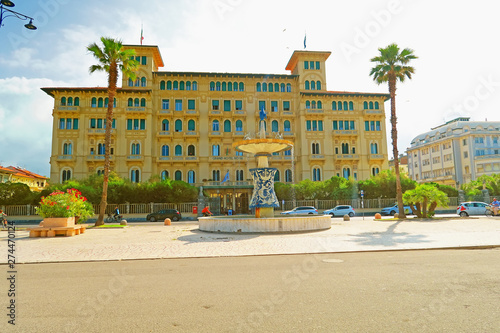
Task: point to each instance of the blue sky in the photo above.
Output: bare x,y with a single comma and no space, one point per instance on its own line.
457,73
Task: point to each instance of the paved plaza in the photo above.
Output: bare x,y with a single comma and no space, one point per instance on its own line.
185,240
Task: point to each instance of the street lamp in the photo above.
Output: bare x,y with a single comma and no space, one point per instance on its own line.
3,9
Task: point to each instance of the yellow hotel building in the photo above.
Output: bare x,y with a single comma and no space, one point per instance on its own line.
182,125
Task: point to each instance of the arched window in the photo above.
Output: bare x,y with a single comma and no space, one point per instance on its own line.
239,175
229,86
339,105
165,150
224,86
165,125
276,87
351,106
63,101
70,101
345,148
106,100
178,125
67,149
235,86
212,86
135,176
191,125
320,105
178,175
274,126
136,149
169,85
191,150
143,81
137,82
215,125
176,85
195,85
282,87
270,87
373,148
316,174
371,105
313,104
277,176
215,150
346,173
100,171
101,148
143,102
377,106
77,101
242,86
100,102
130,102
239,126
216,175
288,176
181,85
188,85
65,175
191,177
162,85
178,150
318,87
136,102
288,87
288,152
227,126
346,107
308,104
286,126
164,175
264,87
365,105
313,85
334,106
217,86
307,85
130,82
375,171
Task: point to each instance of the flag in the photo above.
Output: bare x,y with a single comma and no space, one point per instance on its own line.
305,36
226,177
142,38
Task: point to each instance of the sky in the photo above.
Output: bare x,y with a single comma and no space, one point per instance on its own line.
457,73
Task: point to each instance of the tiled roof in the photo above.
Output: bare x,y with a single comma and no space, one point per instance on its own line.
24,173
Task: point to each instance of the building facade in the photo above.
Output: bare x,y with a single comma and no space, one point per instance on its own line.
19,175
456,152
181,125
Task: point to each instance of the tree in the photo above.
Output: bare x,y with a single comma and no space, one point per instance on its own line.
391,65
424,199
111,57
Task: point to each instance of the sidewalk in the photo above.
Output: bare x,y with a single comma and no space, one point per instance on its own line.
183,240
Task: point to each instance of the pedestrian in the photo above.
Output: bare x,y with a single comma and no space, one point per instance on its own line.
3,218
496,205
206,211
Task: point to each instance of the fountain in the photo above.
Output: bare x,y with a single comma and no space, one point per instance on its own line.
263,198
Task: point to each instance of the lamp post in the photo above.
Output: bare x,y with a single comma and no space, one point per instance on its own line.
5,12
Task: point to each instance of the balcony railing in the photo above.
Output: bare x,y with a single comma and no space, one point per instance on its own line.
140,109
347,157
345,132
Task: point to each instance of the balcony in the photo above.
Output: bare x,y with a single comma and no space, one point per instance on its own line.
344,132
164,111
317,157
65,157
164,133
192,112
225,158
376,157
215,133
350,157
68,108
192,158
135,157
373,112
240,112
315,111
97,157
191,134
136,109
288,134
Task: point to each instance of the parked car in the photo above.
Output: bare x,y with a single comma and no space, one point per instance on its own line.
172,214
340,210
394,209
472,208
302,210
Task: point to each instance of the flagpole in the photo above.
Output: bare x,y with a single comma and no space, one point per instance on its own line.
141,34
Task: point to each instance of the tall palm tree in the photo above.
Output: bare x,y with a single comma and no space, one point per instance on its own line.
391,66
111,57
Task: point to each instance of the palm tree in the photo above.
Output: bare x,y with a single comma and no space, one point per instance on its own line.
391,66
111,57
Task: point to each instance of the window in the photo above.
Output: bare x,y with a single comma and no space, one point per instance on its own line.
286,105
143,102
262,105
282,87
176,85
258,87
165,104
165,125
188,85
229,86
143,81
241,87
238,105
373,148
264,87
101,149
195,85
178,125
212,86
215,125
136,102
317,65
227,105
191,104
318,87
215,104
191,150
288,87
169,85
377,106
191,177
351,106
181,85
288,175
94,102
215,150
135,149
270,87
466,154
77,101
63,101
313,85
178,150
216,175
346,173
315,148
144,60
130,82
135,176
274,126
239,175
277,176
306,64
306,85
316,174
314,125
191,125
162,85
375,171
286,126
65,175
165,150
178,105
365,105
217,86
224,86
345,148
311,64
227,126
274,106
239,126
67,149
164,174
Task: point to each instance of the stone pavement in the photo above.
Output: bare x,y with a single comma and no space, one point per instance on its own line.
184,240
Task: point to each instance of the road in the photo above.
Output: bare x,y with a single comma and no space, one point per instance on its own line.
393,291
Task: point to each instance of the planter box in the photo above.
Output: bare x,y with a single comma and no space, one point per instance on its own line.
58,222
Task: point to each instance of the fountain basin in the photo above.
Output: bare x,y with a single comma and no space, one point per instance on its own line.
262,146
265,225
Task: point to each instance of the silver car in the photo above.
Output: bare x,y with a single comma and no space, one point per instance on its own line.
472,208
303,210
340,210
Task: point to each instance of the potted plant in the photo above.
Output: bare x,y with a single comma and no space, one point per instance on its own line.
59,209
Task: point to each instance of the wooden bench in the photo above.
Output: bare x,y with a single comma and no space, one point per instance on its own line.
52,232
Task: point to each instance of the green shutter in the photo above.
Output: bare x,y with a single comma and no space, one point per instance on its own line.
129,124
191,104
317,65
286,105
306,65
143,124
227,105
367,125
75,123
308,125
320,125
335,125
239,105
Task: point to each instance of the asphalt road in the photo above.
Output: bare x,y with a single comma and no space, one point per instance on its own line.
404,291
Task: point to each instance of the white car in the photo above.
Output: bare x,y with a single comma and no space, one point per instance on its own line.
341,210
303,210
